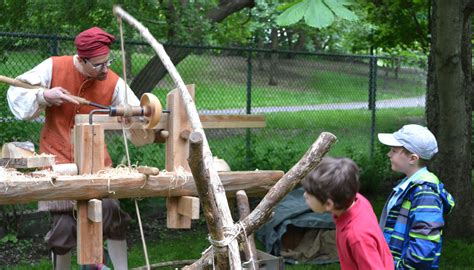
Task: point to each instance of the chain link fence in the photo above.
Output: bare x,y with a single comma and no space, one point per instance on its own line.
301,94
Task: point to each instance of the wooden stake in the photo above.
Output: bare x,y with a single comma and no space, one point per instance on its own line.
249,245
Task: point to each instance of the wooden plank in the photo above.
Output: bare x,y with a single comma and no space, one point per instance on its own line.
28,162
80,187
89,155
233,121
111,122
189,206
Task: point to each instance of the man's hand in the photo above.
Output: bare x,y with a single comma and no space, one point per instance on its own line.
57,96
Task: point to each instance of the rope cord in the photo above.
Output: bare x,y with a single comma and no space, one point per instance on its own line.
126,143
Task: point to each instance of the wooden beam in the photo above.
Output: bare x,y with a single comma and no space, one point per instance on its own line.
77,187
233,121
177,149
208,121
89,156
112,123
89,236
177,146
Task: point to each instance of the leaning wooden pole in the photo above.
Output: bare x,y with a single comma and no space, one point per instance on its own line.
249,244
215,182
285,185
263,211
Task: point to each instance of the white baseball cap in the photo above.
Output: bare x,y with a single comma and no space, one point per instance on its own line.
415,138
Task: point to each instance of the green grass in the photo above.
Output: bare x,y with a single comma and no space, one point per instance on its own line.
222,84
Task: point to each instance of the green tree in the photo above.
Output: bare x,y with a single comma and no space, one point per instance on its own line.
398,23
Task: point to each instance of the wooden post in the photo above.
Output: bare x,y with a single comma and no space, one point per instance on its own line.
177,146
249,244
89,156
177,151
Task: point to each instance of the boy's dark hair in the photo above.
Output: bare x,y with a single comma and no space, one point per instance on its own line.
336,179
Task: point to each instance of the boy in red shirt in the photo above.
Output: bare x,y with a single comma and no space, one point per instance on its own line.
333,187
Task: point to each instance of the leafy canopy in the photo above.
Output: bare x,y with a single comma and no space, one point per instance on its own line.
316,13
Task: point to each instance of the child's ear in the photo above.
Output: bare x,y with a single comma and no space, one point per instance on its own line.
329,205
414,159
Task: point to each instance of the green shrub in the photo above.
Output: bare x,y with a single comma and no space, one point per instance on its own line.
373,171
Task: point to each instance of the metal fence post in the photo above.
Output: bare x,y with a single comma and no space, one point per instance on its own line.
248,134
54,45
372,99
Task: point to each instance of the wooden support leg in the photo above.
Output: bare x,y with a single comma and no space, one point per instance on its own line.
177,151
89,232
89,157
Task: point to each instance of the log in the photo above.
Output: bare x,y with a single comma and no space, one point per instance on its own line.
263,211
61,187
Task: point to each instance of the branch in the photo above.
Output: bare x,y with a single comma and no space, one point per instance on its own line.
226,8
215,182
263,211
207,197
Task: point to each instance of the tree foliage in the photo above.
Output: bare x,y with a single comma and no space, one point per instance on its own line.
316,13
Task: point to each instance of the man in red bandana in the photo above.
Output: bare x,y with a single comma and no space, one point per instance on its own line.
86,75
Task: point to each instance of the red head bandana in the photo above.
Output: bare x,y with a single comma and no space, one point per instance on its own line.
93,42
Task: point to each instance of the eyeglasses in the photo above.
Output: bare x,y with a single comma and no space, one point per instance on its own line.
100,66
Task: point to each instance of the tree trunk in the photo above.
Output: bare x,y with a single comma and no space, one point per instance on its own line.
289,39
449,103
154,70
273,57
299,45
260,44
